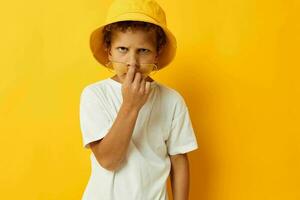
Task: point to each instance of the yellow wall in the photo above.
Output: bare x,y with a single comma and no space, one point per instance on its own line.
237,67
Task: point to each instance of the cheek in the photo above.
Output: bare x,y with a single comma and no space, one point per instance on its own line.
120,70
151,58
116,55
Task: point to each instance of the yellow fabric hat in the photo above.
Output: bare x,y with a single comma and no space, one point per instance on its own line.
135,10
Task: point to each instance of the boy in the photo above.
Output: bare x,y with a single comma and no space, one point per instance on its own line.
138,130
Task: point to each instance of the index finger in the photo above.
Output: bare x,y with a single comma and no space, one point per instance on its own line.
129,75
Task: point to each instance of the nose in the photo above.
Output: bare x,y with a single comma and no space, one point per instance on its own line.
133,61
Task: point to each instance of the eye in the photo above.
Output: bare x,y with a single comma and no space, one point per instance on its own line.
144,50
122,49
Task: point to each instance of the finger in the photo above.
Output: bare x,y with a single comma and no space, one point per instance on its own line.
137,80
130,75
144,76
147,87
142,86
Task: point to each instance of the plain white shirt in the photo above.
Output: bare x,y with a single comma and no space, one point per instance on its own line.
163,128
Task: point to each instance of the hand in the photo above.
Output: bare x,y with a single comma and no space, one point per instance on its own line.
135,89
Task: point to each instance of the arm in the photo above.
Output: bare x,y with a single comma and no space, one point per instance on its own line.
110,151
180,176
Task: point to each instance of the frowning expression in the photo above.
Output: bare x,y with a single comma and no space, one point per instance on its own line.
133,48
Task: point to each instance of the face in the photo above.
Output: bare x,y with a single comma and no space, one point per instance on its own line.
133,48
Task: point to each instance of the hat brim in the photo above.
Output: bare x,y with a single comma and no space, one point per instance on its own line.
97,46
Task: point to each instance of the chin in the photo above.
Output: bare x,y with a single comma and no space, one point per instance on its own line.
122,77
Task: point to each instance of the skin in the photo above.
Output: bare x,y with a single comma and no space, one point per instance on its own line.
180,176
134,48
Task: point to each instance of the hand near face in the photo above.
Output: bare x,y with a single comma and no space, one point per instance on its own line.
121,69
135,89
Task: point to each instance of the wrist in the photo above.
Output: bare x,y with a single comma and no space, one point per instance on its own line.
129,109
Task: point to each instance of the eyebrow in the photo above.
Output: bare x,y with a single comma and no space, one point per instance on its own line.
137,48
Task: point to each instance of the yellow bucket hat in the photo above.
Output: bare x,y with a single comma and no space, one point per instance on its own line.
134,10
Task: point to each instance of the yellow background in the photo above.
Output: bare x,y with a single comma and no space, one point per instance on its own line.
237,67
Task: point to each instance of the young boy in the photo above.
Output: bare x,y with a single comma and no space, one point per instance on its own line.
138,130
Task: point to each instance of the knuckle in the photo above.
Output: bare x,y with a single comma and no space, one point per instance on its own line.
135,87
141,91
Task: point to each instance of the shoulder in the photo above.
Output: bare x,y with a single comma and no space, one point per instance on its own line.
93,89
95,86
173,98
171,93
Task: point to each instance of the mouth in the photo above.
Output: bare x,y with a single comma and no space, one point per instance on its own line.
143,75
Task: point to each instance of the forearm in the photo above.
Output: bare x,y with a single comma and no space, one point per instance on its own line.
111,150
180,177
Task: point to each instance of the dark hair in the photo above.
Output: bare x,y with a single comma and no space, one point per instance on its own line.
133,25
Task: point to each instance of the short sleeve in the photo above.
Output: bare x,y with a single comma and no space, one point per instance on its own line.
182,137
94,122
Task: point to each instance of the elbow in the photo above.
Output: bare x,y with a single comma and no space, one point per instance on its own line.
110,165
106,160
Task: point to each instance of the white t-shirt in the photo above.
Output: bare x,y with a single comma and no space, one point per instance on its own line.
163,128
